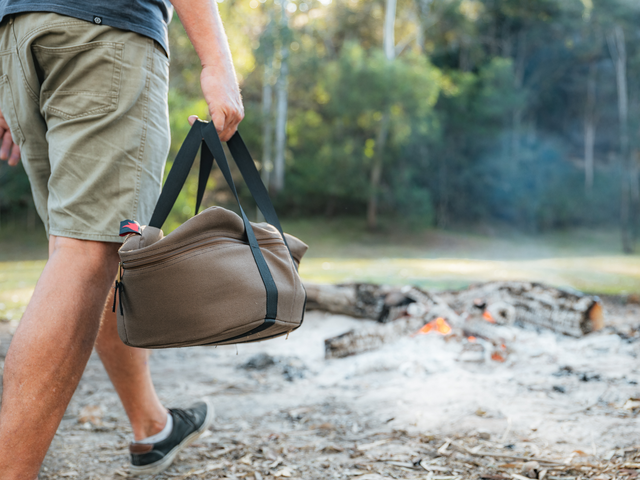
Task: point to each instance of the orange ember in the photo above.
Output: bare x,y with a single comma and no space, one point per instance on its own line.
497,357
439,325
487,316
471,338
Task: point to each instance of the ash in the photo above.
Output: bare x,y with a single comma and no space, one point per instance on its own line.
421,407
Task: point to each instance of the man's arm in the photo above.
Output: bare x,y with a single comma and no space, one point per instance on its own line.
8,150
202,22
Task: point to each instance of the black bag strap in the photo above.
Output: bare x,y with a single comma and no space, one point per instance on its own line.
178,175
206,164
247,168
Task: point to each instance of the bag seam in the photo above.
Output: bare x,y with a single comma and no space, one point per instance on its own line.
193,239
205,249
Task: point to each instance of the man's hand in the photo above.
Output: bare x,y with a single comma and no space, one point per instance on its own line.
221,92
202,23
8,150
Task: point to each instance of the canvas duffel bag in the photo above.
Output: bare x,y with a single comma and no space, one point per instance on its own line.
218,278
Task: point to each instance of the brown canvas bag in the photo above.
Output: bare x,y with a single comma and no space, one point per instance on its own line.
218,278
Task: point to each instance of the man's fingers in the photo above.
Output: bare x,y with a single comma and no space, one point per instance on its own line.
231,127
219,119
7,143
15,155
226,124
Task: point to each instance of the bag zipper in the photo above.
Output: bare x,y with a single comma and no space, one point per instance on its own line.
157,258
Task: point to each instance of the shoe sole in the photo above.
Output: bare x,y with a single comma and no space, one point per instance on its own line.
166,461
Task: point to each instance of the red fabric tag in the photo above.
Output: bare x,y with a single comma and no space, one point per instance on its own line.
128,227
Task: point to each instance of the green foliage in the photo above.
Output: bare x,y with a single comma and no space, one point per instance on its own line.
485,99
332,142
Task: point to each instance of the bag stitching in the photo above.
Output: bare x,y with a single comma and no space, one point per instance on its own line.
205,249
162,248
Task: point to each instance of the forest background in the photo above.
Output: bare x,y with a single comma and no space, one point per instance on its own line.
425,113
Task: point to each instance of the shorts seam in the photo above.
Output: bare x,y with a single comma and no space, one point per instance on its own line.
86,236
145,125
34,96
113,94
42,28
76,48
66,116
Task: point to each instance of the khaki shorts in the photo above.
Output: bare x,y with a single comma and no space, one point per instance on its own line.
88,106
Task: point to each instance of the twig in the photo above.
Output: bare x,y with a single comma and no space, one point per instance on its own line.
502,455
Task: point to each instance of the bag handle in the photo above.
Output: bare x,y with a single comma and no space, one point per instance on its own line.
178,175
250,174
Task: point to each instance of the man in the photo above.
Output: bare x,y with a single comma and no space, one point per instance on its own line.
83,101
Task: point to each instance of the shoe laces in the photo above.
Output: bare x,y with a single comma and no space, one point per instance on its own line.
184,415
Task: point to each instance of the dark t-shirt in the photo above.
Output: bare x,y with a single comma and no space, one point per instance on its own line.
146,17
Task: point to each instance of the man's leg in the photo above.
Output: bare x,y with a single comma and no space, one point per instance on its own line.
50,349
128,369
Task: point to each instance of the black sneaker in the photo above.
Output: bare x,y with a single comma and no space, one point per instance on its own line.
188,425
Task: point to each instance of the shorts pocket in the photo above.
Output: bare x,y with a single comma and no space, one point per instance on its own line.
8,108
79,80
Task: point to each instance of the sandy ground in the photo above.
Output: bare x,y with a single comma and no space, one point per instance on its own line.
422,407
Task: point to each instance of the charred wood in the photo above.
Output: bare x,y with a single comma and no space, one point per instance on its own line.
478,311
569,312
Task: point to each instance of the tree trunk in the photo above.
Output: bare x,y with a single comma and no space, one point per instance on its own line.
617,49
424,7
389,44
267,127
389,39
589,129
281,109
376,171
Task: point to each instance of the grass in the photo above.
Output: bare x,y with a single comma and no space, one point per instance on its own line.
342,250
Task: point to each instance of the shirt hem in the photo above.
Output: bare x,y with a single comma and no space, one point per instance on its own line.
161,38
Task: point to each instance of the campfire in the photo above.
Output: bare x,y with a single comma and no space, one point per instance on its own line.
482,315
439,325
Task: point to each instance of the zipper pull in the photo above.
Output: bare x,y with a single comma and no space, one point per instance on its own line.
117,288
115,293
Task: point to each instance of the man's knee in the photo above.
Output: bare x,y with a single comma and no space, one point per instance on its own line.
96,257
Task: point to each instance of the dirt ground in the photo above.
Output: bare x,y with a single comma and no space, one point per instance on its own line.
422,407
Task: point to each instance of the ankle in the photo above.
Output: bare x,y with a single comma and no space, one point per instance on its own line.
151,427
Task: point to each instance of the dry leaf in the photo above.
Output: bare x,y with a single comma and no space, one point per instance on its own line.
91,414
369,446
323,426
284,472
332,449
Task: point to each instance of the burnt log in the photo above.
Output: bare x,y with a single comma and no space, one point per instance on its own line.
370,337
361,300
528,303
478,311
569,312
